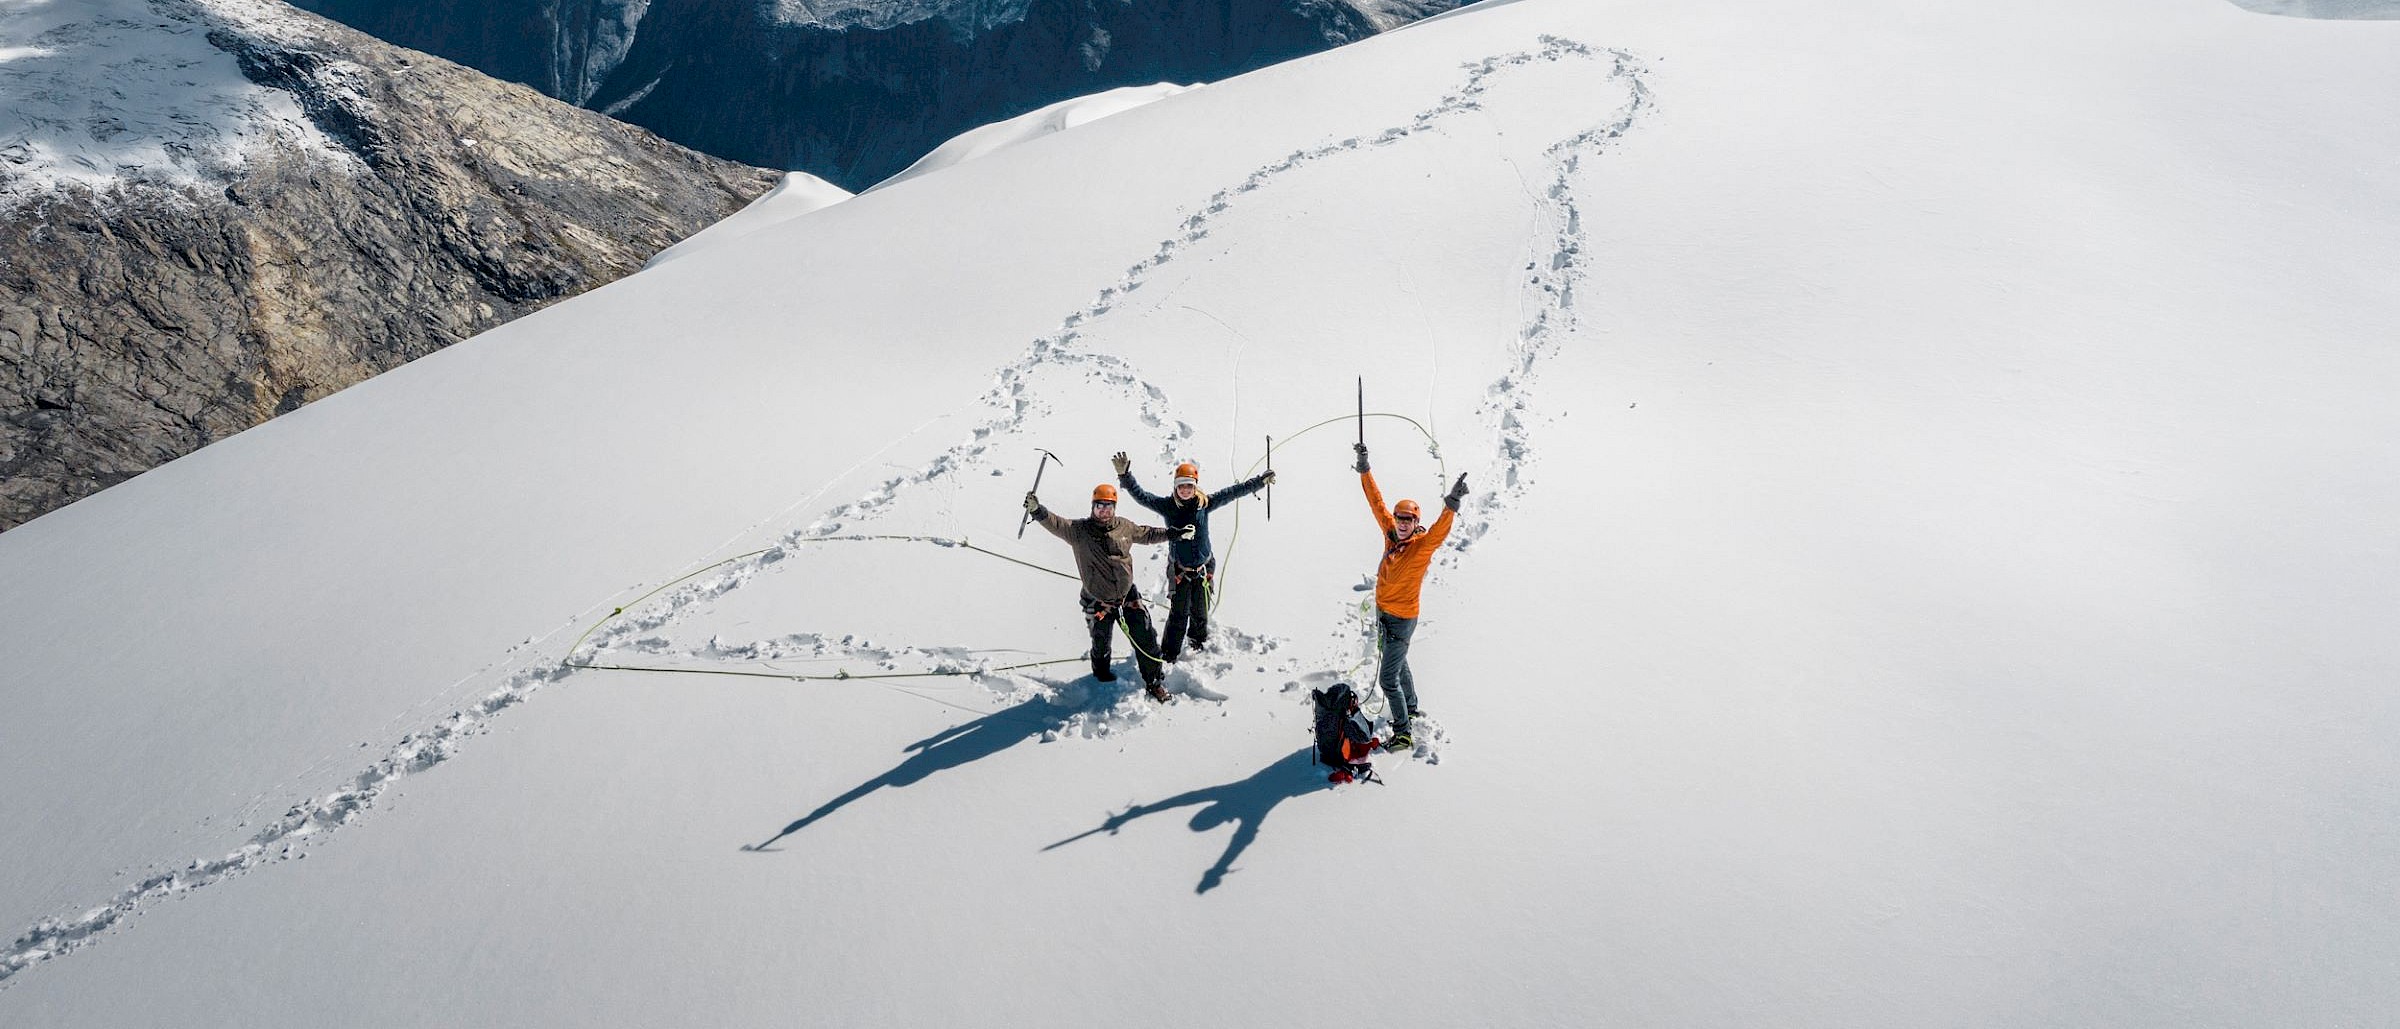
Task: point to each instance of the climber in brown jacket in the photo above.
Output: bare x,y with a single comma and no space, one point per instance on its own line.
1408,547
1103,547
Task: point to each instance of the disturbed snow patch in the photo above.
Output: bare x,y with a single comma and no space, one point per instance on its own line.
284,837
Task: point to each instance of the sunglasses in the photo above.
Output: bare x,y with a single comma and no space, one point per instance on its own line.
1104,503
1404,518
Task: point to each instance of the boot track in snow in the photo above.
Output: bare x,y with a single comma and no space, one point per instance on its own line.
1508,409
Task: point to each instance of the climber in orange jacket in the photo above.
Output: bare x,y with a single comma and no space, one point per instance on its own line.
1408,547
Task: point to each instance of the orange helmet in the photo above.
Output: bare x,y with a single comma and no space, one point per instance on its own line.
1187,472
1104,491
1405,507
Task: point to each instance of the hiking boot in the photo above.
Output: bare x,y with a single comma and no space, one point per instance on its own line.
1158,692
1104,675
1400,741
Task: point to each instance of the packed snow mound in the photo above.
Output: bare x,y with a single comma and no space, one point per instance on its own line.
986,140
98,93
799,193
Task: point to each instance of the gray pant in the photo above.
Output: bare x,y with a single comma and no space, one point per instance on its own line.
1399,686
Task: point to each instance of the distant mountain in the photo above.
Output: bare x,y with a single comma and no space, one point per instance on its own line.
219,210
854,90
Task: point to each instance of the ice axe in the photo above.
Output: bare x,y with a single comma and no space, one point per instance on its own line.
1362,410
1038,468
1270,478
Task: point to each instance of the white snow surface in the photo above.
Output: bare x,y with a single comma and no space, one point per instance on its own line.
99,94
1931,563
799,193
985,140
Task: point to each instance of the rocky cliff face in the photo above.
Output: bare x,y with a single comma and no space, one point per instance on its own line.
326,208
854,90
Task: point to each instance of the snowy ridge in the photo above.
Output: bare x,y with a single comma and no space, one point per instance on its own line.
798,194
1015,397
1032,125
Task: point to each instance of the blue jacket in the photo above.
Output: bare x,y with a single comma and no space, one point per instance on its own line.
1194,552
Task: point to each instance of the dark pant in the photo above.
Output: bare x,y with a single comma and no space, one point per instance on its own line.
1103,618
1187,609
1399,686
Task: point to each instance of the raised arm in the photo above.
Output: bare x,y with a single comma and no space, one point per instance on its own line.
1238,490
1153,534
1050,520
1450,502
1441,527
1141,496
1383,517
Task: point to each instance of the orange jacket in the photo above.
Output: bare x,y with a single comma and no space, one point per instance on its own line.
1402,572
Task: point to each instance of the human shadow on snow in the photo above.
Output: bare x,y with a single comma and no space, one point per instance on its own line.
952,747
1245,802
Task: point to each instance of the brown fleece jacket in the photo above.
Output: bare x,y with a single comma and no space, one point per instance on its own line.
1103,550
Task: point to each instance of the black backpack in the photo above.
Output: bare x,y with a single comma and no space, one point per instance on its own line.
1343,743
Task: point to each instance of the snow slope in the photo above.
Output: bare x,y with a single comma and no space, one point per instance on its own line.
1034,124
799,193
1931,564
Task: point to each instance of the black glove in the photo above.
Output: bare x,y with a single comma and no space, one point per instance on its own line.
1362,457
1033,504
1124,464
1458,492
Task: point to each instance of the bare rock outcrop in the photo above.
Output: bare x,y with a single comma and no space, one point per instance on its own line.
150,308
